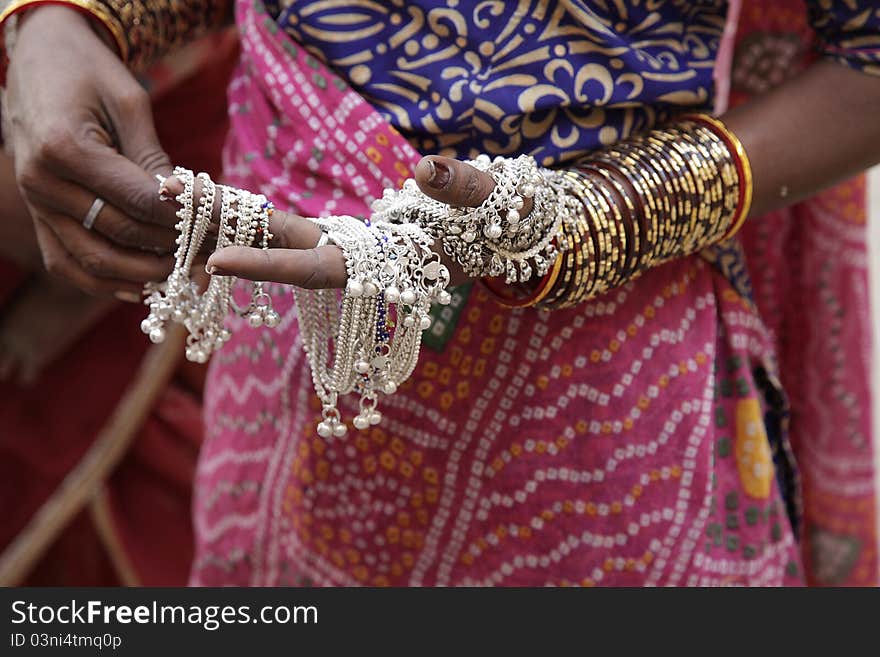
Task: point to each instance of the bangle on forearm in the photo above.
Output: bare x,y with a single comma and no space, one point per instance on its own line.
143,30
743,167
507,296
91,8
647,200
154,28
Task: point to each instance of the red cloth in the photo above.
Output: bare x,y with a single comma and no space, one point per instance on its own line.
46,429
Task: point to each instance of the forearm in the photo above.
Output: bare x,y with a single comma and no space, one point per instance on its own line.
819,128
143,31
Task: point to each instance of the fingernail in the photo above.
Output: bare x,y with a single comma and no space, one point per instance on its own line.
128,297
210,269
439,174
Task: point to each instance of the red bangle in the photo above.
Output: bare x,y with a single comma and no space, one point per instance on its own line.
503,292
742,164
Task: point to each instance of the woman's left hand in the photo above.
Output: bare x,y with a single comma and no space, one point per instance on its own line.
293,258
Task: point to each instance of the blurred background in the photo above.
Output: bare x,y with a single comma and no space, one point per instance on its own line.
874,244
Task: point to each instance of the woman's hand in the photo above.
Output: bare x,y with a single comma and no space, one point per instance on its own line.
81,129
294,260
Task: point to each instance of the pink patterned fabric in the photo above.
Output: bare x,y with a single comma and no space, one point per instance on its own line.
810,275
622,442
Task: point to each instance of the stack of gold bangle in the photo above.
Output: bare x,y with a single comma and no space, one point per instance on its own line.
646,200
143,30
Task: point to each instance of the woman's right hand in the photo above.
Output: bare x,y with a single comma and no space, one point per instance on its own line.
81,128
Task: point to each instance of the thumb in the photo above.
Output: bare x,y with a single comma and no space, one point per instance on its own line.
453,182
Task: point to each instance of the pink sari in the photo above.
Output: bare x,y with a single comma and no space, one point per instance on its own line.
809,268
623,442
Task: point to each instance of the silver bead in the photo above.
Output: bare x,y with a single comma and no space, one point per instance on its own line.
255,320
339,429
527,190
392,294
157,335
513,216
178,315
493,231
409,321
375,417
389,388
362,367
272,319
408,297
444,298
361,422
147,325
370,289
324,429
354,289
469,236
516,203
425,323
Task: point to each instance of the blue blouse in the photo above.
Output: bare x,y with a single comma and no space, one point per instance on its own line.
551,78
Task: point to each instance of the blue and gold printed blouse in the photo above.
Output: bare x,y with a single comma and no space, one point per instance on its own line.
551,78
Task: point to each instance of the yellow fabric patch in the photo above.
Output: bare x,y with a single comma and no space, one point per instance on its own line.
753,458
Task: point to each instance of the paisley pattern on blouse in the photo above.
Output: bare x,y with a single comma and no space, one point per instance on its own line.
553,79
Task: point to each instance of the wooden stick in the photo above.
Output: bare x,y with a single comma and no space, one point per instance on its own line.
87,477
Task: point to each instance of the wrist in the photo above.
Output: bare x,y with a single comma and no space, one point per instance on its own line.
92,14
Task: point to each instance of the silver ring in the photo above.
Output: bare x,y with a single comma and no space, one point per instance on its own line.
323,240
94,211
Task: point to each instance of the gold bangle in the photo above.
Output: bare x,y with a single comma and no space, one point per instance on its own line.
745,169
90,6
554,274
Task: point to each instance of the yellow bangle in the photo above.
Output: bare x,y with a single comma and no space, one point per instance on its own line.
551,281
744,169
96,9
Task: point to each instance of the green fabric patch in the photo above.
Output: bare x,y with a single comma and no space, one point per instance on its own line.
444,319
731,501
753,514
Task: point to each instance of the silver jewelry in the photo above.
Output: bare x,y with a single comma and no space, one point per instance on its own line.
374,335
367,340
492,239
244,217
92,214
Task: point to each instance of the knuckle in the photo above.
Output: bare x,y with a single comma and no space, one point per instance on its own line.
317,275
133,101
139,205
55,146
153,159
125,232
54,266
472,187
30,176
280,235
93,263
